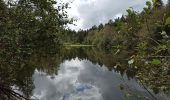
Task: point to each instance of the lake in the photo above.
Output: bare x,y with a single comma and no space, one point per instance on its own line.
81,74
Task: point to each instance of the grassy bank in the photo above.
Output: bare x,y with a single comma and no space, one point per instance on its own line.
77,45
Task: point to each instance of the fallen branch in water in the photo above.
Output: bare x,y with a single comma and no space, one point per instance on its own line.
9,92
150,93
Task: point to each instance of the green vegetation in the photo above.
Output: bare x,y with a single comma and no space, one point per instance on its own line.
77,45
142,37
32,35
29,33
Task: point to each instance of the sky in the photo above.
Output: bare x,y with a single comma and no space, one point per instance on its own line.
95,12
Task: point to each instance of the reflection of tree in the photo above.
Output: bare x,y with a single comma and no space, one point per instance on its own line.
19,69
155,77
20,73
99,56
13,76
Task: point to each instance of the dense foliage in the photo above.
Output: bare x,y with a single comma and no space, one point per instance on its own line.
31,32
143,36
27,27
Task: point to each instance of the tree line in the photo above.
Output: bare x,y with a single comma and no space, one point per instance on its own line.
143,36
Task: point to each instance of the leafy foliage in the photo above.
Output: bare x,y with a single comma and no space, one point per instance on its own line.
155,62
28,27
167,22
144,37
33,30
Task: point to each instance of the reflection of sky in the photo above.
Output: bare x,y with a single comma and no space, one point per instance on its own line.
82,80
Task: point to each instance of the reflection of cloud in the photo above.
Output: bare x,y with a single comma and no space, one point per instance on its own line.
81,79
65,85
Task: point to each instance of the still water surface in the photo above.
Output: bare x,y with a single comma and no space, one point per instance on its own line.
81,74
80,79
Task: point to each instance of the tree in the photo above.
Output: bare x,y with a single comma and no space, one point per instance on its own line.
3,16
27,27
110,22
157,3
94,27
35,23
133,21
100,27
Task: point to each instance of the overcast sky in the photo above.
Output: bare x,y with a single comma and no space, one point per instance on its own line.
94,12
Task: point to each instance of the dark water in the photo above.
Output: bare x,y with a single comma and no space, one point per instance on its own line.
80,74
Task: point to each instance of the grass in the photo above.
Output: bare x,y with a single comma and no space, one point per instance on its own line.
77,45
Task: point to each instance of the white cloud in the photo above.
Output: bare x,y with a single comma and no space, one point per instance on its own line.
94,12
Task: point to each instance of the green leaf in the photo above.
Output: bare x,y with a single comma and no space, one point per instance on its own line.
167,21
155,62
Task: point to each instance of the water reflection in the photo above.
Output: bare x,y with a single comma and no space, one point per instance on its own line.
83,80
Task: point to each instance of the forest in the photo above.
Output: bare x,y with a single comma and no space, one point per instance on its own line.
29,28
